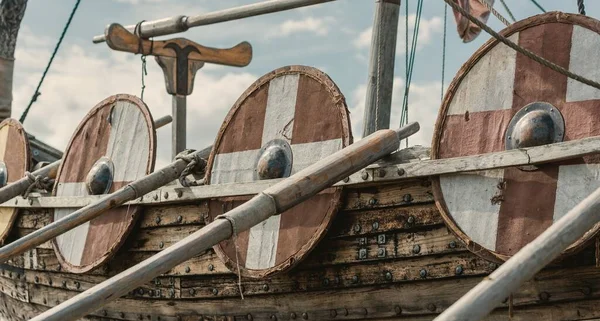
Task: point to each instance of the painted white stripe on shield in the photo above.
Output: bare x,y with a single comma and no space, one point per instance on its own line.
575,182
468,198
489,84
235,167
279,124
3,140
281,108
309,153
585,45
128,142
71,243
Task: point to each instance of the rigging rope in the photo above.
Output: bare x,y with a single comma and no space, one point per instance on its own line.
495,12
581,7
510,14
37,92
444,50
538,5
521,50
411,63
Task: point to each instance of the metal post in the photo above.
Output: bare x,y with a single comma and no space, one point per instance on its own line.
179,125
490,292
276,199
178,24
380,84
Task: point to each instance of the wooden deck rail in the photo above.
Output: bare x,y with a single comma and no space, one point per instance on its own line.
167,26
488,294
276,199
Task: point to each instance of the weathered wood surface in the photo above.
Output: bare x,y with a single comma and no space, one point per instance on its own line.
119,38
571,286
396,169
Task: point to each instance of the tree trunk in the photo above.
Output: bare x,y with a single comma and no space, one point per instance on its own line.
11,14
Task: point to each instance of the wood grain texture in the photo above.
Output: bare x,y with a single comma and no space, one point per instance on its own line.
119,38
518,217
570,286
15,153
121,128
280,105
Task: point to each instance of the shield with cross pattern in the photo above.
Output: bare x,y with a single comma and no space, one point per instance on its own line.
14,162
287,120
500,100
114,145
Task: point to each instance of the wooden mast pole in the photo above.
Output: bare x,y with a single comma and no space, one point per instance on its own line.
276,199
167,26
380,86
490,292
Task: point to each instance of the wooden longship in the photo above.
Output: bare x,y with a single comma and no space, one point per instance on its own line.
285,217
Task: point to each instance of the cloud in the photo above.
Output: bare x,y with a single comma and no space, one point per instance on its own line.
427,29
316,26
79,79
423,107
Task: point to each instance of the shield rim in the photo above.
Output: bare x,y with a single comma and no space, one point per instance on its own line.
27,152
474,247
134,210
336,199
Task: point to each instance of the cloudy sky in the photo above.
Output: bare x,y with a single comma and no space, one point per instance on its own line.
333,37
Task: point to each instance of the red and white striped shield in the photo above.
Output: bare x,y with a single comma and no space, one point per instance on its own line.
15,158
497,212
121,129
303,107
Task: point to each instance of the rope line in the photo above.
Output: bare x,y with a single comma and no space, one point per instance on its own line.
196,164
37,182
444,50
510,14
581,7
523,51
37,92
538,5
495,12
411,63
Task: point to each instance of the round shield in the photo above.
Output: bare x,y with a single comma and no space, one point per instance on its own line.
14,162
114,145
286,121
503,100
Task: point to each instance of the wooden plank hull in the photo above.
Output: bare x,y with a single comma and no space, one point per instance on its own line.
386,256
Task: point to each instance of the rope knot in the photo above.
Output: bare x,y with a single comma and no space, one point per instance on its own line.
196,165
38,182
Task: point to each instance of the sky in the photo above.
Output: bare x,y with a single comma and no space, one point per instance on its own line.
333,37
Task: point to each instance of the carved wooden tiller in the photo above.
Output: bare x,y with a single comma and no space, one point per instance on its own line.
285,121
113,145
179,59
503,100
14,162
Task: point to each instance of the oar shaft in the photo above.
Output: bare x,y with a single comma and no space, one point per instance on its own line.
87,213
492,290
177,24
276,199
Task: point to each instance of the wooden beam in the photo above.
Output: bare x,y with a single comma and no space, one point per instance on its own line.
277,199
167,26
395,168
490,293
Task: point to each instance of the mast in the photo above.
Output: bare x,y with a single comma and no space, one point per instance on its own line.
11,14
378,103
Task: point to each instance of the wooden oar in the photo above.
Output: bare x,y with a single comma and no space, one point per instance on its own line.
274,200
